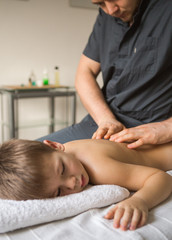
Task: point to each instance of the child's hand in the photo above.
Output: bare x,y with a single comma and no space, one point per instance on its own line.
129,214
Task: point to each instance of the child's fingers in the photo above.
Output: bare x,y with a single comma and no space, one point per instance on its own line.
135,219
127,216
139,219
110,213
143,220
126,219
117,217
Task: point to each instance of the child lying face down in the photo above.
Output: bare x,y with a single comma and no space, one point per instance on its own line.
35,170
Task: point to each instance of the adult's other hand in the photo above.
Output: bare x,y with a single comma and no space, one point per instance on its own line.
151,133
107,128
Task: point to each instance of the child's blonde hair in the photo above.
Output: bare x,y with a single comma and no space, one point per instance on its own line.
22,169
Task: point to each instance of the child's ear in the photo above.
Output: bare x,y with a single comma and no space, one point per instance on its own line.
55,145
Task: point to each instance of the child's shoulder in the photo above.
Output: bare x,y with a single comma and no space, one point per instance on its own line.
98,147
90,143
85,142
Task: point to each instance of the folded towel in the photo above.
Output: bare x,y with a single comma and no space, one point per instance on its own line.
20,214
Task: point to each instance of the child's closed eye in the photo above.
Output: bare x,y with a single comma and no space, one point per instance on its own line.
63,168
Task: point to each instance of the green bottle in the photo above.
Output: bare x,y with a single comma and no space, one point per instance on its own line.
45,77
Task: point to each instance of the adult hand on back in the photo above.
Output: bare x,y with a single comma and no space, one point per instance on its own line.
151,133
107,128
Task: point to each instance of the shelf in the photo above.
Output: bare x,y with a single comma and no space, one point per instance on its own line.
25,87
25,92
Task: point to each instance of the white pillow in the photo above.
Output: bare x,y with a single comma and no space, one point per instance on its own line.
20,214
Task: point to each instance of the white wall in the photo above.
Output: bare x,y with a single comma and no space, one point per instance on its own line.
41,33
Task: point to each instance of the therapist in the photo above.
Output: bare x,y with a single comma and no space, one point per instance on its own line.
131,44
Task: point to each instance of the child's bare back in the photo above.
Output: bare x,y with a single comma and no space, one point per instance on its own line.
158,156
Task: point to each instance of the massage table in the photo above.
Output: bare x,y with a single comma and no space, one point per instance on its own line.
79,217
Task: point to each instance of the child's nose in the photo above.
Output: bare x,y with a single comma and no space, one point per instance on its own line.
71,182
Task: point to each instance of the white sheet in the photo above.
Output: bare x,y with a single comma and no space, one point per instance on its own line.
91,225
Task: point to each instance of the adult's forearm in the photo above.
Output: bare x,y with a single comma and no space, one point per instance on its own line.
90,92
93,99
167,124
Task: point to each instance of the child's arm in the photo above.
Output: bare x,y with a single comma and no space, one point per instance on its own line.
133,212
152,185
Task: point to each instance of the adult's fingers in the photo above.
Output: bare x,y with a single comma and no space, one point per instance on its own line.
136,144
100,133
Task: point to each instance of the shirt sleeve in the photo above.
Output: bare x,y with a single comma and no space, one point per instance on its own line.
92,49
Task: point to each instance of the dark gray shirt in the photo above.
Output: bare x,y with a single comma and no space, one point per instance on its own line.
136,62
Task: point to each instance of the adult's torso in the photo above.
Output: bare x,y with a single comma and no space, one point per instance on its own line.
136,62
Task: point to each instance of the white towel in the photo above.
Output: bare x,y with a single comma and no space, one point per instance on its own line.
20,214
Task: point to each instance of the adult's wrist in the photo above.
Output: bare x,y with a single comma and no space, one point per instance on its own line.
168,128
107,119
